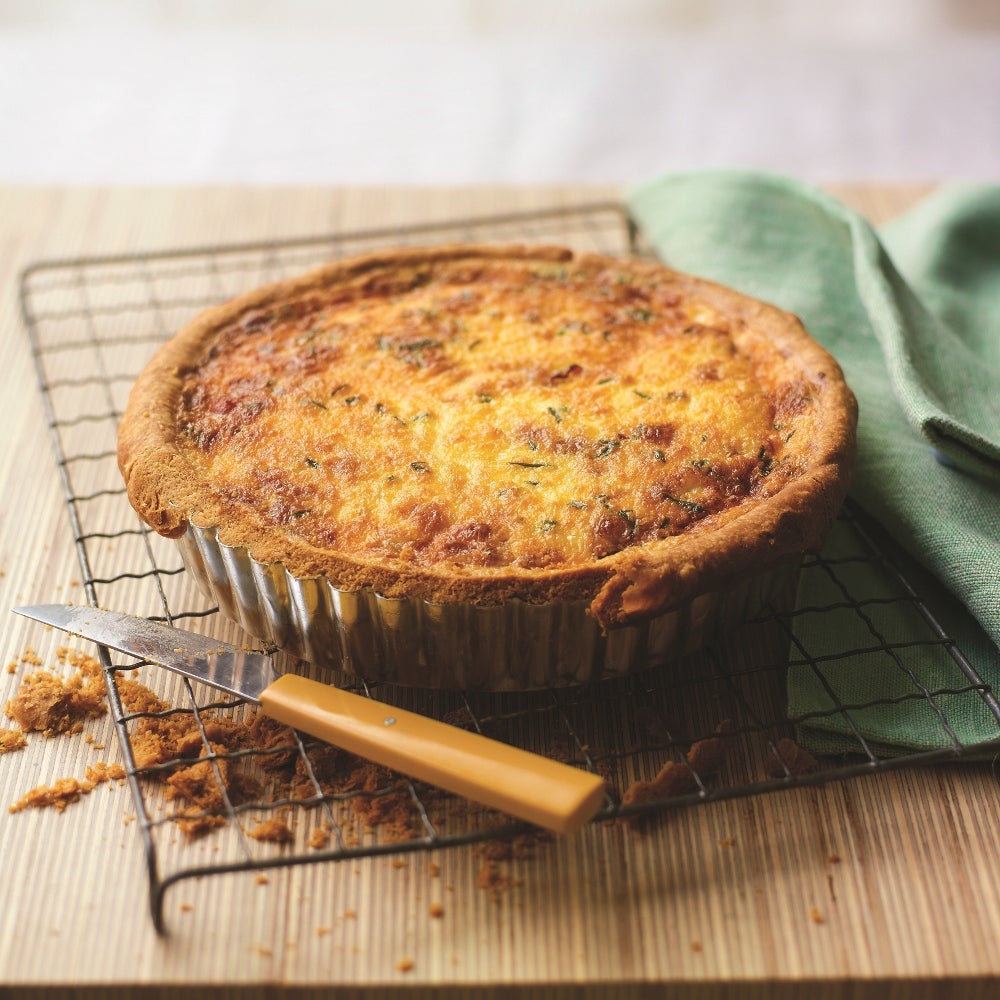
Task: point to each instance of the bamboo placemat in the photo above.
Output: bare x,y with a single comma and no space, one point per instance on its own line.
886,879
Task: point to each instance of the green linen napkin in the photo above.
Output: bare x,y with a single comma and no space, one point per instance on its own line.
913,316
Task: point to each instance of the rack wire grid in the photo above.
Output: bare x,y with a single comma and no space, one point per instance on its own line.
94,322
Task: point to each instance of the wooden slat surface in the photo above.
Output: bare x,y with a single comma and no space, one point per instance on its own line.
885,885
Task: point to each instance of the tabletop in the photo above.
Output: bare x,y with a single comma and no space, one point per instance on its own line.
885,884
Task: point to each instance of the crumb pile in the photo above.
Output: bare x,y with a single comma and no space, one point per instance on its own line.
68,790
207,763
51,703
204,763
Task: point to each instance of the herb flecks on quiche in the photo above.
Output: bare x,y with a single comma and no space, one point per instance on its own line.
477,423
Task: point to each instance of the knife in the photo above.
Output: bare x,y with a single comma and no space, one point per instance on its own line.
550,794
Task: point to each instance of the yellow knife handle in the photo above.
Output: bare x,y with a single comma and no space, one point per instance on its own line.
556,796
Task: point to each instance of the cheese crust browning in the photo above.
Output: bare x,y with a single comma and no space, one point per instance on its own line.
479,423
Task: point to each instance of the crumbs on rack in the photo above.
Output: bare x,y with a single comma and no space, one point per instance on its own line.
704,759
788,759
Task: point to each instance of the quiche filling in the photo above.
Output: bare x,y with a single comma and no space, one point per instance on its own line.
494,413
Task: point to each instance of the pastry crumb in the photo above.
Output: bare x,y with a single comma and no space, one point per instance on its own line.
320,837
102,771
492,879
436,910
405,965
49,703
704,759
789,759
521,846
30,657
194,826
273,831
11,740
65,791
816,915
58,795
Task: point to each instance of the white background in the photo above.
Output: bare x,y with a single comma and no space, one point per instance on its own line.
467,91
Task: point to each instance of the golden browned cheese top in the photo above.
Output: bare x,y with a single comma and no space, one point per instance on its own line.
496,414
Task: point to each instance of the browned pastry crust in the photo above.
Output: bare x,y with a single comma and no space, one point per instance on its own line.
480,423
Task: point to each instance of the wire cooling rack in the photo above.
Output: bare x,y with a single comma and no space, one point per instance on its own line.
772,706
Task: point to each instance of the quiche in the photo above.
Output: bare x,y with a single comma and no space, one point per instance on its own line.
479,426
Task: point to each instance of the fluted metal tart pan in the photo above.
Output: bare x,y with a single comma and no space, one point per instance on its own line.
511,646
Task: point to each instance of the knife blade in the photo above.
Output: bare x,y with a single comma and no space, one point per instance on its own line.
550,794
